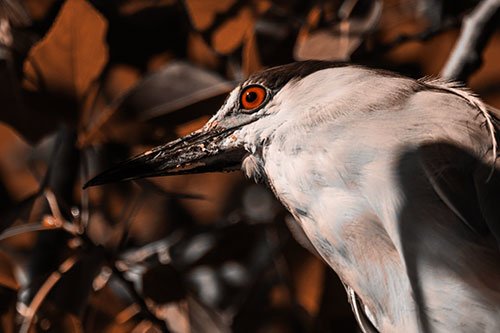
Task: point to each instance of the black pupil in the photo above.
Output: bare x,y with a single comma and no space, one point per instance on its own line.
250,96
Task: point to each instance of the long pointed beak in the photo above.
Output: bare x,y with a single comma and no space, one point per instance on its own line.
202,151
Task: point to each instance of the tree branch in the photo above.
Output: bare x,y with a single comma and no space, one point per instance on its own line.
477,28
140,301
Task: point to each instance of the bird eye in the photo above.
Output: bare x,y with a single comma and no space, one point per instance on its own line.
252,97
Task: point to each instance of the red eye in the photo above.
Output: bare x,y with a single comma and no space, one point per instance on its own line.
252,97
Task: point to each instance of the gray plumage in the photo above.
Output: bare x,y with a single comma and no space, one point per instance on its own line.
393,181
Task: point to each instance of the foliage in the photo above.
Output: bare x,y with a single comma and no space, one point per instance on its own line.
87,83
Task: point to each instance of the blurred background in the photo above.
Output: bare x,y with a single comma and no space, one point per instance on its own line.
87,83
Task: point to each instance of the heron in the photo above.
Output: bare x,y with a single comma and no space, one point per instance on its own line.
393,180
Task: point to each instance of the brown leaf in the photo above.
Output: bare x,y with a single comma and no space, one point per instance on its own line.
107,312
72,54
8,311
308,283
251,59
54,319
232,33
163,284
38,9
229,23
203,12
132,7
16,175
339,41
7,277
200,53
154,97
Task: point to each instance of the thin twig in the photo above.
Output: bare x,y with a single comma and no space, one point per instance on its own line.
127,223
44,291
140,301
13,231
477,29
60,221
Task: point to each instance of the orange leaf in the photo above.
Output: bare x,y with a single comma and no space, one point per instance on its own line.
251,57
237,22
7,276
72,54
202,12
231,33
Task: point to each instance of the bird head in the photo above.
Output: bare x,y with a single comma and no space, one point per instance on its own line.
234,136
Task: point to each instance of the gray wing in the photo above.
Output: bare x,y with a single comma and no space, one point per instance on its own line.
462,182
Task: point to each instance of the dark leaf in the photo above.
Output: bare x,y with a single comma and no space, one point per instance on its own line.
137,34
275,32
178,86
151,110
163,284
45,288
59,70
72,54
8,311
72,292
205,319
7,276
340,40
17,210
107,311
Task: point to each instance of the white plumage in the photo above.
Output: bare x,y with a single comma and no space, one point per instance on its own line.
393,180
337,144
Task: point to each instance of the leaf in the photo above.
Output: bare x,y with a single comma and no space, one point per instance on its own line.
8,311
40,9
62,165
177,87
108,311
225,25
339,41
232,33
163,284
200,53
72,54
132,7
73,290
67,322
44,290
205,319
275,33
250,58
58,71
16,175
7,276
203,12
